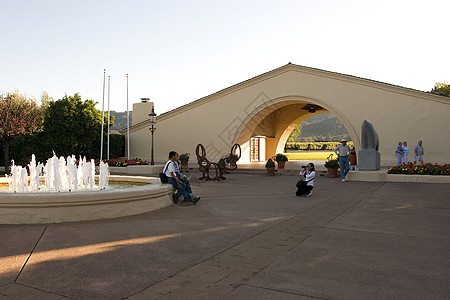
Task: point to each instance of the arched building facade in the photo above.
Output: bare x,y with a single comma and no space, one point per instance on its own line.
260,113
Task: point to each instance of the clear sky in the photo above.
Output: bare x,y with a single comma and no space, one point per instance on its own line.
176,52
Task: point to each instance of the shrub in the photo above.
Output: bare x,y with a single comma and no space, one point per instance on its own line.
23,147
124,162
315,145
332,164
281,157
184,156
270,163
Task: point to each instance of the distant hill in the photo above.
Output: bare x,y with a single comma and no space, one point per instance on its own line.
323,127
120,120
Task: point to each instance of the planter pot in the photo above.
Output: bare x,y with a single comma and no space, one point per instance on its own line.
352,158
184,165
281,164
270,171
332,172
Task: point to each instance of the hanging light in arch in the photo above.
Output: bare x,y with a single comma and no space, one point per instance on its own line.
312,108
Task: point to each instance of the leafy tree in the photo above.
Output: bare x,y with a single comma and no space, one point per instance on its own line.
19,116
117,146
72,126
24,146
442,89
45,100
295,134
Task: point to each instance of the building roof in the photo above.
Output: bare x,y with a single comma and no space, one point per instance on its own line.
313,71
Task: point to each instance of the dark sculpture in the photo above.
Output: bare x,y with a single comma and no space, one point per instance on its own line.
227,162
369,137
369,157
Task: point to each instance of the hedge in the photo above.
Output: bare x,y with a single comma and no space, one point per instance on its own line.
315,145
23,147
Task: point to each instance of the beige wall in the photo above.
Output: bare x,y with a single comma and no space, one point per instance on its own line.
141,111
271,104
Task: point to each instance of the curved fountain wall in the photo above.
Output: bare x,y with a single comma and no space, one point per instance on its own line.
41,208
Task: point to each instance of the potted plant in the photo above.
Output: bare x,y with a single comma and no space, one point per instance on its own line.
270,167
281,159
184,158
332,165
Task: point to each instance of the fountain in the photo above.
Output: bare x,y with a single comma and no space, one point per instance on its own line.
59,175
63,191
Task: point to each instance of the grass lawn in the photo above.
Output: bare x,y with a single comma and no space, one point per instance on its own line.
310,155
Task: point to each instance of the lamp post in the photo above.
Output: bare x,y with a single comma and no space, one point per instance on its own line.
152,116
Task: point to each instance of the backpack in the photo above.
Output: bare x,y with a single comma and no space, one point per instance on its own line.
163,176
302,183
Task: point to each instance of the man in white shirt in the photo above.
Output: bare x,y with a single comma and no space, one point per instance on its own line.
418,152
343,151
178,180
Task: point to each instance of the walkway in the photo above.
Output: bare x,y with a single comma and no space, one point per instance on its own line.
248,238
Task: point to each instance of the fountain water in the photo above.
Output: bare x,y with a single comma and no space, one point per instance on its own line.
59,175
33,196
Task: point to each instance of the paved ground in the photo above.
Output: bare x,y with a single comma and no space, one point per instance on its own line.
248,238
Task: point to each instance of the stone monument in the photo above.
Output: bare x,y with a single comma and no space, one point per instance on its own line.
368,157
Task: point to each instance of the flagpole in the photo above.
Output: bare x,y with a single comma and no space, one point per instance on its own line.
109,117
128,126
103,115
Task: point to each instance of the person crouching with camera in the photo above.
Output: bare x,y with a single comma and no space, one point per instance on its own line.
306,184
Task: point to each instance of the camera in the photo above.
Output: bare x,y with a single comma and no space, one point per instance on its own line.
303,167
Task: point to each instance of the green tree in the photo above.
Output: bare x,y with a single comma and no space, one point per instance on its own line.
72,126
442,89
295,134
19,116
45,100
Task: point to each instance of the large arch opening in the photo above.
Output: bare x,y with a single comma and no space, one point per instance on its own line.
266,129
315,138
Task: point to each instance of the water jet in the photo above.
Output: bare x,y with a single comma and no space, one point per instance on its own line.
59,202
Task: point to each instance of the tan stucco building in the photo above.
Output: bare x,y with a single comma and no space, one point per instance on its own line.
261,112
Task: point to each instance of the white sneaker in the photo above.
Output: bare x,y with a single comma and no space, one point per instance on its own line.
343,180
309,195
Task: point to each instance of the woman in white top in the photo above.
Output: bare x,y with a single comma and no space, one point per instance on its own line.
305,186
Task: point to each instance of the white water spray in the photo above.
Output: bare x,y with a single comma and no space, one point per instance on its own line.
58,175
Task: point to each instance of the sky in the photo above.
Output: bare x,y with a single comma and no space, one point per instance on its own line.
176,52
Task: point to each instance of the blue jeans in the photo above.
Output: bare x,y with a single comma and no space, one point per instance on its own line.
182,189
344,165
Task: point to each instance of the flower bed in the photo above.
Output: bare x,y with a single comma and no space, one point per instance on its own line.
426,169
124,162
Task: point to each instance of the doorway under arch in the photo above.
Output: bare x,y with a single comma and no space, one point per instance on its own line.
273,121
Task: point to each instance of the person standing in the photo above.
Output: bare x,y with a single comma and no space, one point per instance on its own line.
405,152
418,152
178,180
343,151
305,186
399,153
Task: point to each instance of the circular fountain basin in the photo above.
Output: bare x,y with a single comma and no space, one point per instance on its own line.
46,207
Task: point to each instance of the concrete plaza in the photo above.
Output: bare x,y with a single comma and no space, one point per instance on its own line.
249,237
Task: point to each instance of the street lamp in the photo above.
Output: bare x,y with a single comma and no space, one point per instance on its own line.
152,116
